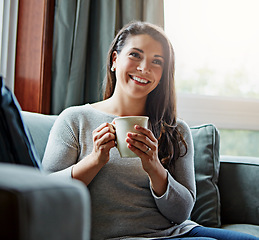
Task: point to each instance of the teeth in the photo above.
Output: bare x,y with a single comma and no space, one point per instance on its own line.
139,79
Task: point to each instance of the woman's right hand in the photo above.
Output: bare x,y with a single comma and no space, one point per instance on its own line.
103,141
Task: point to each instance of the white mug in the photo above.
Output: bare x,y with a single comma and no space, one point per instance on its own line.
123,125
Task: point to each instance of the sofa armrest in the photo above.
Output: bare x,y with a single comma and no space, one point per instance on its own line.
239,190
36,206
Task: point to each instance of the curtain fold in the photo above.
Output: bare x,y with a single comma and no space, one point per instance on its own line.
83,31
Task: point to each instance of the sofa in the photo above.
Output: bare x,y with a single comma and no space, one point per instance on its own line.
35,205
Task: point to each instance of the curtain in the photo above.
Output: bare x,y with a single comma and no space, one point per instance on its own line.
83,31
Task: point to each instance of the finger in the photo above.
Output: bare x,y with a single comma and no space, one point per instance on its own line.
105,149
106,138
141,141
145,131
137,151
103,125
112,125
108,145
139,145
99,132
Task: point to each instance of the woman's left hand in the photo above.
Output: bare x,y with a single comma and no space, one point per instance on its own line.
145,145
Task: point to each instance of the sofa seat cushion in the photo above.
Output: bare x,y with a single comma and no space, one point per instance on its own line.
245,228
206,162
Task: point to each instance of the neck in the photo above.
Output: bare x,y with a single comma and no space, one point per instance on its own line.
122,106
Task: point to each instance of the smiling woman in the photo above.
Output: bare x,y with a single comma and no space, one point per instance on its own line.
151,195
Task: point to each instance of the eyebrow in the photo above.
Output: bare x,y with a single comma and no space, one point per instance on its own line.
140,50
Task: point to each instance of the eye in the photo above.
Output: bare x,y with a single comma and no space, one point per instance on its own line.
135,54
158,62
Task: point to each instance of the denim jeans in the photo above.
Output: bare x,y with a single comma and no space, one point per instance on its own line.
205,233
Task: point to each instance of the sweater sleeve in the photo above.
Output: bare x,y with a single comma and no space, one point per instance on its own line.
177,202
62,148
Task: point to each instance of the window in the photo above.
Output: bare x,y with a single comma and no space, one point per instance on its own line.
8,27
1,32
217,52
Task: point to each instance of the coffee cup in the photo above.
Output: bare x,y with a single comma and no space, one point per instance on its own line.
123,125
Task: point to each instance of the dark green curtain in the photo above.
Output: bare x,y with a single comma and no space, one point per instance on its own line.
83,31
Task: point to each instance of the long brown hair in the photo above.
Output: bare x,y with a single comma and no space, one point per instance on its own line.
161,102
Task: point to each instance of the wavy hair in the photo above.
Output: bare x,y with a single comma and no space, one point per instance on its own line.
161,102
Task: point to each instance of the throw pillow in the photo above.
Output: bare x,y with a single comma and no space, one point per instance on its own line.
16,144
206,162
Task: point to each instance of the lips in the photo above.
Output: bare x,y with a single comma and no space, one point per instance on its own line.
139,80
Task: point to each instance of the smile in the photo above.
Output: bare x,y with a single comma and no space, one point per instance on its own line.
139,80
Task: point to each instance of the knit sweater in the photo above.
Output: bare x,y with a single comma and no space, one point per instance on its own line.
124,205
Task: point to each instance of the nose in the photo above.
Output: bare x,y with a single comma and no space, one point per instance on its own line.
143,67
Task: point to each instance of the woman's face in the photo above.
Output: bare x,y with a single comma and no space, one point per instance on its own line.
139,66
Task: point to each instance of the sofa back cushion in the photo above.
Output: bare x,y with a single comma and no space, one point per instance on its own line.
39,126
206,162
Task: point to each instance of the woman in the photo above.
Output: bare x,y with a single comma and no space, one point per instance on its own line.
149,196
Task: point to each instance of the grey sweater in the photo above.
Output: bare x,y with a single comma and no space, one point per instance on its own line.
123,203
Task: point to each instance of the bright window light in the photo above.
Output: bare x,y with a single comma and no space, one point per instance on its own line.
216,46
217,77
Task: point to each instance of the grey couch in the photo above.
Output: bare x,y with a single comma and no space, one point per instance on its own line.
36,206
